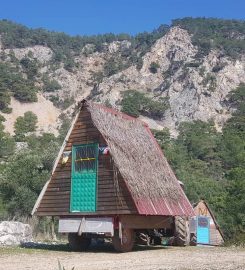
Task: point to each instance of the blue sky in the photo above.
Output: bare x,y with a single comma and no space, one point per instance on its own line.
117,16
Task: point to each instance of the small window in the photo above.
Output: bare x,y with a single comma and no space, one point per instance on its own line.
203,222
85,158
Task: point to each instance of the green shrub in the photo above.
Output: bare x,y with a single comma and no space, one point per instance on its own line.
139,63
193,64
218,67
2,118
23,180
62,103
135,103
25,92
12,83
55,100
69,64
97,77
3,210
50,85
7,144
154,67
25,124
7,110
29,66
113,66
4,99
27,170
131,103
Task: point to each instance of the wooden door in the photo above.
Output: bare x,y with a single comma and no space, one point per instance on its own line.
84,178
203,230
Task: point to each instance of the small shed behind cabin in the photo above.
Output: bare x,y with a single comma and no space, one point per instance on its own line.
205,226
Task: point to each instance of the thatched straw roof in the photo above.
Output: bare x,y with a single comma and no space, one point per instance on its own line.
136,154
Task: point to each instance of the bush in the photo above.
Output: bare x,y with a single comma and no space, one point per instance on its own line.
30,67
154,67
7,110
62,103
25,124
112,66
131,103
97,77
193,64
23,180
27,171
218,67
12,83
50,85
7,144
25,92
135,103
2,118
69,64
4,99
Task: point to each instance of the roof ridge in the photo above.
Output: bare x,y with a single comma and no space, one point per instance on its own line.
115,112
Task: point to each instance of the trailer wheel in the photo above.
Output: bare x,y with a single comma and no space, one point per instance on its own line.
182,237
126,243
78,243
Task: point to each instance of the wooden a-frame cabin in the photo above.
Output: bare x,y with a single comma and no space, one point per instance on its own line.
110,179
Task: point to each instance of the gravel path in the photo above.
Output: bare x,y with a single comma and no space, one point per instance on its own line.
142,258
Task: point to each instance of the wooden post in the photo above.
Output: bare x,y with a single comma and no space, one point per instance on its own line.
53,234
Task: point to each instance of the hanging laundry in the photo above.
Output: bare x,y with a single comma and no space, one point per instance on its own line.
104,150
65,157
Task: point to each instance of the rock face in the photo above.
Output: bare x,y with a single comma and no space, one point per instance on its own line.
42,53
196,91
14,233
46,112
196,86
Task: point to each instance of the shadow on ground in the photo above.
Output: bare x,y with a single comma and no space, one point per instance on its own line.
94,247
46,246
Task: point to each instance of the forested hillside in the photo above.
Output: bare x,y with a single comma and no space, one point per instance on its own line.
186,80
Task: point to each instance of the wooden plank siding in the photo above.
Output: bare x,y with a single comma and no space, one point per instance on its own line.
112,194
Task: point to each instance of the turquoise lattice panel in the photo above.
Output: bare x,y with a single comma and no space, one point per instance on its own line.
84,181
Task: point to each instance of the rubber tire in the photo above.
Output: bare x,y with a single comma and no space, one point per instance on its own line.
181,232
78,243
127,243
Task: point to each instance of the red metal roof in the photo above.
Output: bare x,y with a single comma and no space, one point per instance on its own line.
164,207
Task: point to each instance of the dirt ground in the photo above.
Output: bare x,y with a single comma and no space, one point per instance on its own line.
103,257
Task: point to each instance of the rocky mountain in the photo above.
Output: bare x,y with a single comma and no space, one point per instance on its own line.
189,66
